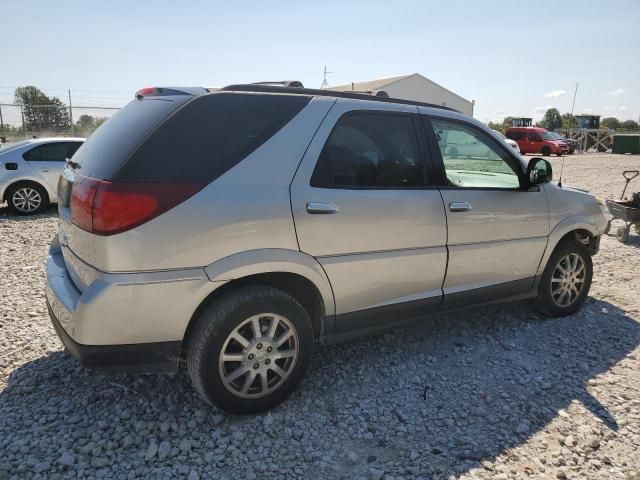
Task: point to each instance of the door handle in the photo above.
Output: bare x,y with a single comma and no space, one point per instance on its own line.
44,169
322,208
459,206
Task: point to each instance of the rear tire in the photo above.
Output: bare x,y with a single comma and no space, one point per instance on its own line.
637,228
566,279
546,151
27,198
239,370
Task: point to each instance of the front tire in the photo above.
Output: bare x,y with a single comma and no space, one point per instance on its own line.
27,199
566,279
546,151
250,349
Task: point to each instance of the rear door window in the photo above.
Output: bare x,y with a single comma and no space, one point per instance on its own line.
370,150
210,135
51,152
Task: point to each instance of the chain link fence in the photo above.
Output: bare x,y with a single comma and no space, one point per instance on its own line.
18,122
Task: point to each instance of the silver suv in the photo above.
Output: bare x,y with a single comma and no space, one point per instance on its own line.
231,230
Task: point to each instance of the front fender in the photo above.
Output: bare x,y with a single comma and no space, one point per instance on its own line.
569,224
274,260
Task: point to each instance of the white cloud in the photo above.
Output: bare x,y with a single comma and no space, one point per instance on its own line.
542,109
587,110
609,107
622,109
555,94
617,91
499,112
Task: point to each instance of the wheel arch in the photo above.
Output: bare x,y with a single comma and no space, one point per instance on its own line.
293,272
25,182
572,228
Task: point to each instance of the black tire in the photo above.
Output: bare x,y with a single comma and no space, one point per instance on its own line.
216,323
15,194
545,298
453,152
546,151
622,234
637,228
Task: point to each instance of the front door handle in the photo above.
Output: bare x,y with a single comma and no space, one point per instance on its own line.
322,208
44,169
459,206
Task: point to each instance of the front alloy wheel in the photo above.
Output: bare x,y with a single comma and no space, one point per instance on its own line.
567,280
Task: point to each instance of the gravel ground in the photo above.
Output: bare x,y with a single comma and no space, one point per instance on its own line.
496,392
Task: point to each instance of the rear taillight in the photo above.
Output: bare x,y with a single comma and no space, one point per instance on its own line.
106,208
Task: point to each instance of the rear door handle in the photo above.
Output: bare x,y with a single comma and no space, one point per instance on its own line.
459,206
322,208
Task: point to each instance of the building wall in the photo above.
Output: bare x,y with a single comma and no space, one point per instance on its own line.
420,89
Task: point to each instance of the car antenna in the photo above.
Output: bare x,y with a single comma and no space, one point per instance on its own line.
570,123
561,170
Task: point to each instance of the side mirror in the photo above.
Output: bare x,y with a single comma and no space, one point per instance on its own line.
539,171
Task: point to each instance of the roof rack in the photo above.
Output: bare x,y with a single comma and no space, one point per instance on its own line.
270,88
283,83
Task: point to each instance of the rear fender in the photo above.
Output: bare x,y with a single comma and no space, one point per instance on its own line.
274,260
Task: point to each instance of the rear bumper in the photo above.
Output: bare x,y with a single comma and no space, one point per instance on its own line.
161,357
131,322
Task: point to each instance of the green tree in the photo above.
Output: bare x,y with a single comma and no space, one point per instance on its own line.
568,120
86,122
610,122
551,120
42,113
630,126
495,126
506,123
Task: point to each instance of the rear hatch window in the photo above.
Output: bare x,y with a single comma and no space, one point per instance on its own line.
208,136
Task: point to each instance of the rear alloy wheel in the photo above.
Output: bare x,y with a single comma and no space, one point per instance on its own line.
546,151
250,349
27,199
566,280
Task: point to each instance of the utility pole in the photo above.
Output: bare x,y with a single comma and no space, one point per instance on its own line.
325,84
573,104
71,113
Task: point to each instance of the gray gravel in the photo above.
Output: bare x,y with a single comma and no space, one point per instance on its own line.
496,392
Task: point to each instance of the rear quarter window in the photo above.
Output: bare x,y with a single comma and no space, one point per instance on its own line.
111,144
209,135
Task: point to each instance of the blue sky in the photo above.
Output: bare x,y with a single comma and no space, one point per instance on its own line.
513,58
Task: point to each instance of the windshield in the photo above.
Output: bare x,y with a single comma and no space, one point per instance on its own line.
548,136
10,146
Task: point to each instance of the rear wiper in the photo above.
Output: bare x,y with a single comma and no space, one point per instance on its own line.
73,165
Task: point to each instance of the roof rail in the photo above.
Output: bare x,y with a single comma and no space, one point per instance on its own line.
270,88
283,83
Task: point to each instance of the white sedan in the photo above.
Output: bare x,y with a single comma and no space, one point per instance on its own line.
508,141
29,172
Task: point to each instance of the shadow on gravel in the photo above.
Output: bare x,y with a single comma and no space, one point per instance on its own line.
434,399
6,215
